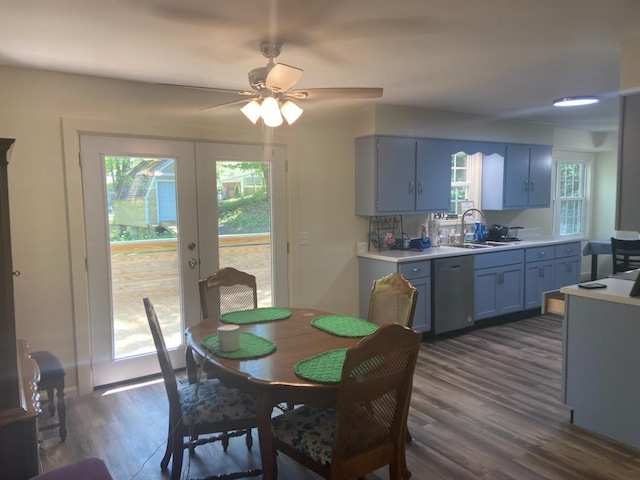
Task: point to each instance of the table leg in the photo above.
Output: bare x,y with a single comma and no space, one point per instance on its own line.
594,267
264,407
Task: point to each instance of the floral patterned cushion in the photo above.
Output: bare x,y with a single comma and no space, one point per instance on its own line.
212,402
309,430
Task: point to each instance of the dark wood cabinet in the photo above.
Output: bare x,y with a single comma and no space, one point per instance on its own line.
19,405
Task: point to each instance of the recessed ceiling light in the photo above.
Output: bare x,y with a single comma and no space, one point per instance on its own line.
575,101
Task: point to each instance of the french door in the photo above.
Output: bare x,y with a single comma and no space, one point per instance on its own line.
152,229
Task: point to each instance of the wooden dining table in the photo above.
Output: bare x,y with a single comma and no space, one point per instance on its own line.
270,379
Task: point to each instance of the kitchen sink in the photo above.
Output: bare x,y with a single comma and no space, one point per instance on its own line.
471,245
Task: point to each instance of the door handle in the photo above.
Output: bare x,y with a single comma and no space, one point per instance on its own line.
193,263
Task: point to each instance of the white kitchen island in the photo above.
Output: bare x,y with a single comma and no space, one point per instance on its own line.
601,359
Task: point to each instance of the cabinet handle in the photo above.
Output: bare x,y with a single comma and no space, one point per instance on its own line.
541,254
541,273
415,270
419,188
16,273
411,188
533,186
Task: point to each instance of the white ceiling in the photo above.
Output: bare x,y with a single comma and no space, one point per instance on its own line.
506,58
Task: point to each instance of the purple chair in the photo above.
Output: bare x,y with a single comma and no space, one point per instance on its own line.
86,469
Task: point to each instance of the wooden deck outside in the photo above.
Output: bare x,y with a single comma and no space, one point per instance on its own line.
150,268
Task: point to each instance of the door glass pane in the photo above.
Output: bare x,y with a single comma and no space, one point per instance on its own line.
143,228
244,221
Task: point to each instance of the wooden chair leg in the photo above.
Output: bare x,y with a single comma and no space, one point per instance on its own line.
62,413
164,463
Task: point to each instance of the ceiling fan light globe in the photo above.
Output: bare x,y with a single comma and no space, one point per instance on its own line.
290,111
252,110
270,112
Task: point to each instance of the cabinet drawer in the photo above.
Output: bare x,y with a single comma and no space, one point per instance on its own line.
568,249
540,253
498,259
416,269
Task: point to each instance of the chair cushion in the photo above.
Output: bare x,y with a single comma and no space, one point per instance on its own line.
210,401
308,429
49,365
86,469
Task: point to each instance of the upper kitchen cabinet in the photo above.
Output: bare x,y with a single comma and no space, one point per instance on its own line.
520,179
408,175
401,175
627,211
385,175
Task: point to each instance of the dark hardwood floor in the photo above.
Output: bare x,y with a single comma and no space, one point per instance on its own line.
485,405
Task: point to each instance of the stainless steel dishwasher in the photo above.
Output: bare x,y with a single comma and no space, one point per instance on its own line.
452,293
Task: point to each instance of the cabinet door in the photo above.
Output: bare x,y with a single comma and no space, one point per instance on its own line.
396,174
540,177
485,303
567,271
516,179
627,211
433,175
422,316
510,289
539,278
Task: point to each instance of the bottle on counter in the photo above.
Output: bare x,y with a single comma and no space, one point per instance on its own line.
476,232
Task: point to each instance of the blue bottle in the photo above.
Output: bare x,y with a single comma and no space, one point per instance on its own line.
476,232
483,232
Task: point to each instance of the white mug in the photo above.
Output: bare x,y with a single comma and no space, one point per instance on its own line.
229,337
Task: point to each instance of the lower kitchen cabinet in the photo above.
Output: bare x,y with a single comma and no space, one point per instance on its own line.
567,264
498,284
418,273
539,274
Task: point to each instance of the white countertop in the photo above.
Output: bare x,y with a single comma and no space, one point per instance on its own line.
401,256
617,291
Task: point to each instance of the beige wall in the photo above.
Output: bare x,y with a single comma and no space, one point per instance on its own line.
45,111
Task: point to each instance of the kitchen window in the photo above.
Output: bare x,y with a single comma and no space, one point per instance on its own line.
465,181
571,193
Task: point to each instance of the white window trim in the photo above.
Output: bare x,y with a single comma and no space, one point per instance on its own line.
587,159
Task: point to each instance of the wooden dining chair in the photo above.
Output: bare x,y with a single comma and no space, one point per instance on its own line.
366,430
625,254
393,300
227,290
206,410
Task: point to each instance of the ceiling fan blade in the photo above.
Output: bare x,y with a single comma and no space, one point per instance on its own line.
282,77
226,104
210,89
345,93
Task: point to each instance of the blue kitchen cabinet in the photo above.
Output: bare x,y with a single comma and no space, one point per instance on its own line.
402,175
539,274
498,283
433,175
418,273
520,179
567,264
385,175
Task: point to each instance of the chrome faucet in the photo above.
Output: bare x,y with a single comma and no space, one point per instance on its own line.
463,227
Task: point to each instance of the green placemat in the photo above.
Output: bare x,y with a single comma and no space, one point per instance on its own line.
326,367
344,326
251,346
256,315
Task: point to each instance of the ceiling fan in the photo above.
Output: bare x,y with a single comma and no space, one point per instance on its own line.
272,97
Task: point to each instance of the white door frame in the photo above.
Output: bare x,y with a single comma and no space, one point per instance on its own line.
72,128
